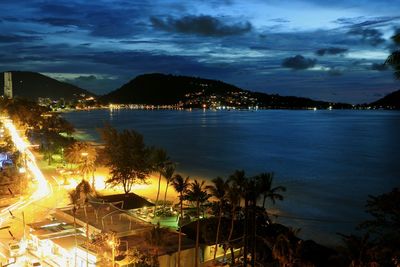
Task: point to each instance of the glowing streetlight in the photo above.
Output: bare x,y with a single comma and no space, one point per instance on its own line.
113,244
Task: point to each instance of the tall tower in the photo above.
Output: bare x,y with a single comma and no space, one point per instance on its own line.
8,92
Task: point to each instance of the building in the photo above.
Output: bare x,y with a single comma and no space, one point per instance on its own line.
103,232
58,243
8,90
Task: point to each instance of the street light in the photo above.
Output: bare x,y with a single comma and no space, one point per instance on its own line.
113,243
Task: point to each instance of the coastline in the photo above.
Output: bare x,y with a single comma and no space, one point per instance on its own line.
211,144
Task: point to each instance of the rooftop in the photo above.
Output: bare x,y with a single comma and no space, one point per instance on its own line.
68,242
127,201
105,217
167,241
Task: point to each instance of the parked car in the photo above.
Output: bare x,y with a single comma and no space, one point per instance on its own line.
35,263
15,249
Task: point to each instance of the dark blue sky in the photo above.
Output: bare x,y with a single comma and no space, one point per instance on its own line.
330,50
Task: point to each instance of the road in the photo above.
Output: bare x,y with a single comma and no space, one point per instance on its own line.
45,196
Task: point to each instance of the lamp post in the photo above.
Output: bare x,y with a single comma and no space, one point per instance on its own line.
113,244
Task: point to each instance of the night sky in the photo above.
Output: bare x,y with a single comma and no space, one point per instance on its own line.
330,50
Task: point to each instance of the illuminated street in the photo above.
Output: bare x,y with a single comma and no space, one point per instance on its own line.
46,196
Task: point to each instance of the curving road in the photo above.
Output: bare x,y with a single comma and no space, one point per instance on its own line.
35,206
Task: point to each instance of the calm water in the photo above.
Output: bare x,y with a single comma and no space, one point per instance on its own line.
330,161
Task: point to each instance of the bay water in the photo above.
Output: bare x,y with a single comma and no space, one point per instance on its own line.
329,160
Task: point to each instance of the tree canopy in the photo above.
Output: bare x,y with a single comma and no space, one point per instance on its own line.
127,156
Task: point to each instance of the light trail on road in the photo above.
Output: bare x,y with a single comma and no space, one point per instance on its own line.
43,187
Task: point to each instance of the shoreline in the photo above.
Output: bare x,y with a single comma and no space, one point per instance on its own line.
295,204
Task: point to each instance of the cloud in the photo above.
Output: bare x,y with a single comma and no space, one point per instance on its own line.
200,25
362,21
370,36
280,20
378,67
298,62
60,21
331,51
18,38
97,83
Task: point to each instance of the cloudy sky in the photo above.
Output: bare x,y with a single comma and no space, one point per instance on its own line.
324,49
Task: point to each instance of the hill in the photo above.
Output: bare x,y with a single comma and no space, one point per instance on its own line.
32,85
390,101
185,91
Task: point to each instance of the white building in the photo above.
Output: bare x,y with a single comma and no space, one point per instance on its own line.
8,90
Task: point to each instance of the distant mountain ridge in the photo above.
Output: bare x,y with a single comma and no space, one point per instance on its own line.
32,85
162,89
391,101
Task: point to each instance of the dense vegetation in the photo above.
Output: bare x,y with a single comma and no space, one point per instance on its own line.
236,205
391,100
161,89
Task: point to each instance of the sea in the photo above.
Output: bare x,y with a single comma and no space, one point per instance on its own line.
330,161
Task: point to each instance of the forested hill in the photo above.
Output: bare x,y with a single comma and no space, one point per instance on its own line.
391,101
161,89
32,85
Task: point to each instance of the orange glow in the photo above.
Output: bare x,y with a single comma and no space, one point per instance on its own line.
43,188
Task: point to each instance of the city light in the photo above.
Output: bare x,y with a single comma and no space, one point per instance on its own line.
43,187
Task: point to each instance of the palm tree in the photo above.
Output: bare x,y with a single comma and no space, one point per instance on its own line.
264,183
83,190
74,198
218,190
88,163
85,155
239,179
168,174
160,159
359,250
73,153
197,194
180,185
284,248
233,197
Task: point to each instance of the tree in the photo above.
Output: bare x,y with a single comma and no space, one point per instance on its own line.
218,191
127,157
239,180
84,155
52,143
74,198
233,198
88,163
159,161
84,190
168,174
252,193
181,186
393,59
284,248
197,193
73,153
385,224
359,250
264,183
